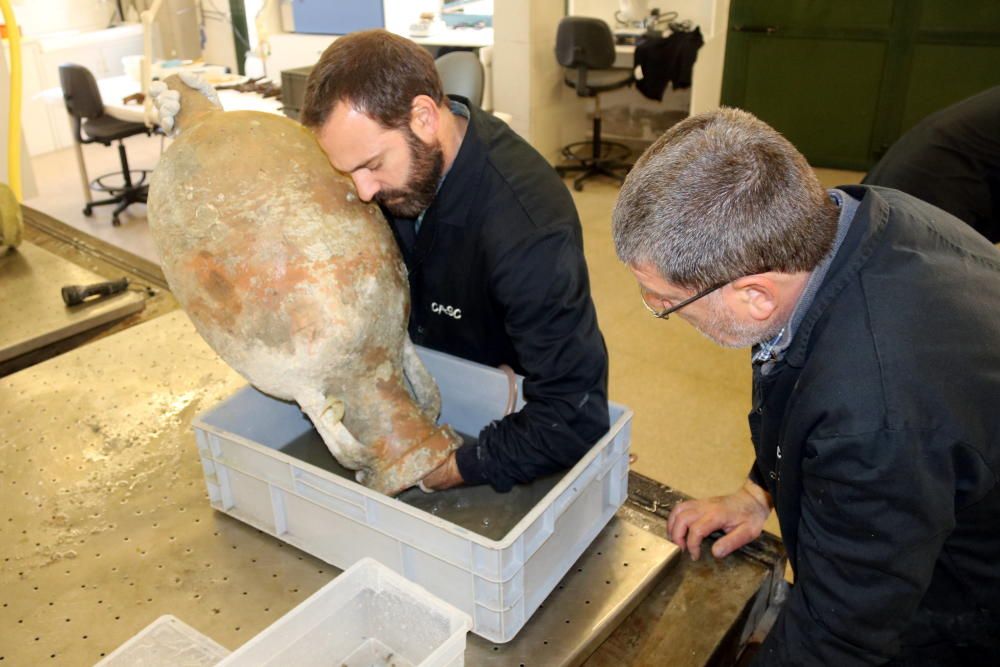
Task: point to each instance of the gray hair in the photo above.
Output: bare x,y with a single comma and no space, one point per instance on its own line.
719,196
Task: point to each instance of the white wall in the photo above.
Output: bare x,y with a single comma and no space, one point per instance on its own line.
267,21
712,16
527,80
706,82
36,17
220,45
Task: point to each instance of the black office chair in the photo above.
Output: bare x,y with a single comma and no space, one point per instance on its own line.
461,74
586,46
92,125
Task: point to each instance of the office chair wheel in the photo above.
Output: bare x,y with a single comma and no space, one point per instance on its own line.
115,222
88,210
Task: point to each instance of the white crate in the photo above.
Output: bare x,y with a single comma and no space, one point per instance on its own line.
369,615
499,583
166,642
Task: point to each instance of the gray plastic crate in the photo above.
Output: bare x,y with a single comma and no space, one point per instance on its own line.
498,582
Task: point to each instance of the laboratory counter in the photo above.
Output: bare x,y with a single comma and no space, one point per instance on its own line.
106,523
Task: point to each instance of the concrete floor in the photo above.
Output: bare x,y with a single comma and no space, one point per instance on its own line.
61,195
690,397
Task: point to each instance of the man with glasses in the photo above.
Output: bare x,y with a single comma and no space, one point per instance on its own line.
875,325
660,307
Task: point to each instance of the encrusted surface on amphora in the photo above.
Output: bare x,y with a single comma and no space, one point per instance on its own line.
298,285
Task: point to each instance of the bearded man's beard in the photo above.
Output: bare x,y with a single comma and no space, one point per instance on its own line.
426,166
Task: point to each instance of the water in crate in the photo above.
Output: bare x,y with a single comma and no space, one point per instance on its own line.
479,509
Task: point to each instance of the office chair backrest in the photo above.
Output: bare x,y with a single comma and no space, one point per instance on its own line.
461,74
584,42
80,92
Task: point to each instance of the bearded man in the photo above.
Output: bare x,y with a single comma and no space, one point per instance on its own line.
874,320
491,241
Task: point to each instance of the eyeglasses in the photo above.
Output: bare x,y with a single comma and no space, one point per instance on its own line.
666,312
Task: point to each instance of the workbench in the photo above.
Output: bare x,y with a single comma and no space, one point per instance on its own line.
106,523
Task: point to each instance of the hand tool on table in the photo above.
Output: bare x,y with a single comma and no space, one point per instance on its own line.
74,295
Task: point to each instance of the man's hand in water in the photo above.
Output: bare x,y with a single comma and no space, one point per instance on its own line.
445,476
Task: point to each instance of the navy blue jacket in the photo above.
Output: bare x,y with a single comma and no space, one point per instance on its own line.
951,159
497,275
878,436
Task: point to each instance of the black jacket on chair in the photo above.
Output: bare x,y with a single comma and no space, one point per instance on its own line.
667,59
878,436
497,276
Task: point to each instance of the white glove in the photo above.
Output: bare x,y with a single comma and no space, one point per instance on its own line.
194,80
168,102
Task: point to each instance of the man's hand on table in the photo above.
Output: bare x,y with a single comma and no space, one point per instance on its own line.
445,476
740,515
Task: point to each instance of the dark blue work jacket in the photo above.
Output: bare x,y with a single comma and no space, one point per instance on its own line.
878,436
497,275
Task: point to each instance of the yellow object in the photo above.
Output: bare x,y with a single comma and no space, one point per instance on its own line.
11,221
14,131
147,17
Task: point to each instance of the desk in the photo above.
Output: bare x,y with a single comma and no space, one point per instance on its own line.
114,89
476,38
109,526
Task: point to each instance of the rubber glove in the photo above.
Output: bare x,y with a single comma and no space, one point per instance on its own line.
168,102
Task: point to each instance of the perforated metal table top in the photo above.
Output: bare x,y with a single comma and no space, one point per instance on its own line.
105,522
32,313
104,519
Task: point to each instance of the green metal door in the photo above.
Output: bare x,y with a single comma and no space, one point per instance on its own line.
954,53
842,79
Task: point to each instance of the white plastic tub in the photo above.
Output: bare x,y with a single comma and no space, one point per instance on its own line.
166,642
498,582
368,616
